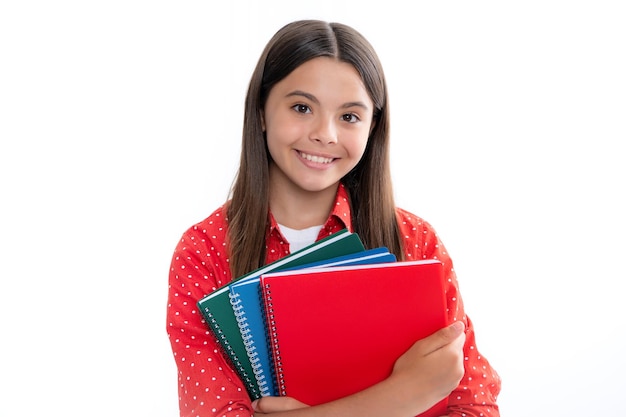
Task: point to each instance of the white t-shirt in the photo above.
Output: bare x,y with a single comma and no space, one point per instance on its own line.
298,239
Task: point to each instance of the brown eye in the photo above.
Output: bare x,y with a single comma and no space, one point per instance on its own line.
301,108
350,118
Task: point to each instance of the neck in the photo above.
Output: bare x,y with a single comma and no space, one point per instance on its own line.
299,209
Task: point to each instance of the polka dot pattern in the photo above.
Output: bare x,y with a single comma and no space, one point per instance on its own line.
209,386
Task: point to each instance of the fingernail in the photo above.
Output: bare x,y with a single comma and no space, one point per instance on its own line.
254,404
458,326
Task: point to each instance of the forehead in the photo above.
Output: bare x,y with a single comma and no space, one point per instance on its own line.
327,77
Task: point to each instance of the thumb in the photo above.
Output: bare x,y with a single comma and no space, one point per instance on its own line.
442,337
276,404
454,330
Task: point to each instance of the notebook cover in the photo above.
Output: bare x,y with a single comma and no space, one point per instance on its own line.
338,330
218,313
247,304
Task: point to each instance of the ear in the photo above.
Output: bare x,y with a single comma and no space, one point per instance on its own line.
262,115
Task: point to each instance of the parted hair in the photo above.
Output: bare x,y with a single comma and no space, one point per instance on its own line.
368,184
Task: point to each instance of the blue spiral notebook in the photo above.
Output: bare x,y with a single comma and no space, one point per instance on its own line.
247,302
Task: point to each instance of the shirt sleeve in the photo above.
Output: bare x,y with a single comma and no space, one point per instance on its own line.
476,395
207,384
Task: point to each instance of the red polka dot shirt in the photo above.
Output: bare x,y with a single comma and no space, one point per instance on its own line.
208,386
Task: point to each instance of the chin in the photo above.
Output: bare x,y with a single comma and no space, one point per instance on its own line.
318,187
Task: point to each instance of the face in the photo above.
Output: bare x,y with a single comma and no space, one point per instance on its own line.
317,121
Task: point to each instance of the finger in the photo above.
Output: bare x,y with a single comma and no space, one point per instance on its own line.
442,338
276,404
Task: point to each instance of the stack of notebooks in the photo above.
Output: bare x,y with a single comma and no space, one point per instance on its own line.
326,321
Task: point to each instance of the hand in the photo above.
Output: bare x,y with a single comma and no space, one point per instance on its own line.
421,377
268,405
434,365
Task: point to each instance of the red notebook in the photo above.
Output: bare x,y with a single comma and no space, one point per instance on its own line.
335,331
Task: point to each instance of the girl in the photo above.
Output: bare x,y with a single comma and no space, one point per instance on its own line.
315,160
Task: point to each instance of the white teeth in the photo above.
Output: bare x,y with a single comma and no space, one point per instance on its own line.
316,159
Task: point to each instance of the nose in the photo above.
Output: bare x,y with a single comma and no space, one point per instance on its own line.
324,130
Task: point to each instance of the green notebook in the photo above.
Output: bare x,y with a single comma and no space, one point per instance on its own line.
218,312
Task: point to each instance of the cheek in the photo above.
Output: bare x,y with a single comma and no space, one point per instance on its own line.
356,146
282,131
280,139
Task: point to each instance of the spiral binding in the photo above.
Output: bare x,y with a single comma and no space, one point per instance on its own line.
231,353
274,340
248,343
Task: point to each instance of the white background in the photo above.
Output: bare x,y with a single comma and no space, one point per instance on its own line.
120,125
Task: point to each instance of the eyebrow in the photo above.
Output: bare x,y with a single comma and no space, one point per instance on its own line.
316,101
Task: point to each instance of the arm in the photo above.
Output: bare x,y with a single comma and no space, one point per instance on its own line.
477,392
425,374
207,385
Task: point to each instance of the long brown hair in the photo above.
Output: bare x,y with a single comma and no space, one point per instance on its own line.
368,184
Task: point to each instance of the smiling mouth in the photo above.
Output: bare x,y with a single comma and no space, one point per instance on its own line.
315,158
